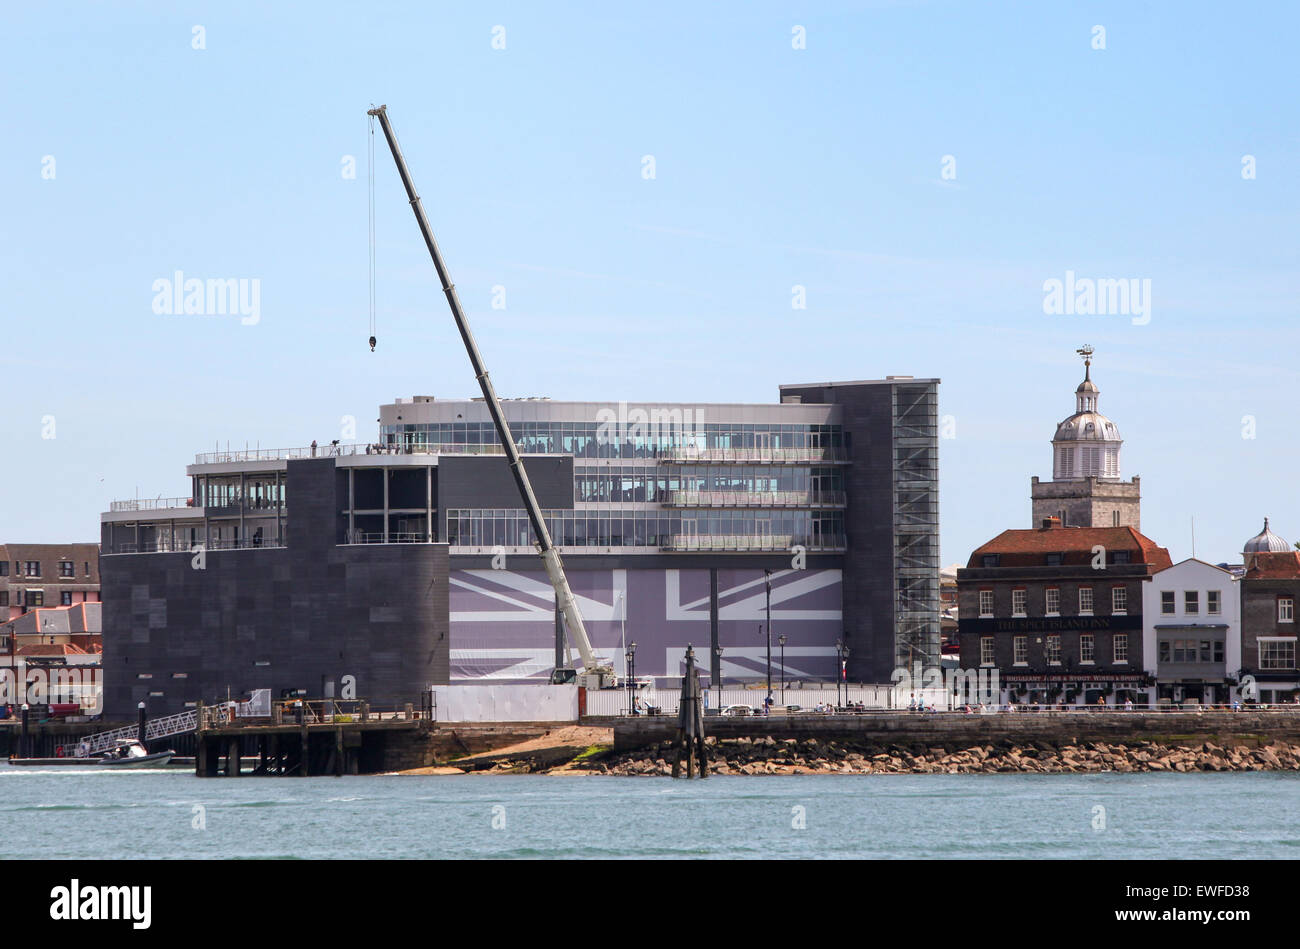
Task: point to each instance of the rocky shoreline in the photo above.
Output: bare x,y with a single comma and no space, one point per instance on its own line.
769,755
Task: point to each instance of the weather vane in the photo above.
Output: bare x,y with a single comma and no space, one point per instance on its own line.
1086,352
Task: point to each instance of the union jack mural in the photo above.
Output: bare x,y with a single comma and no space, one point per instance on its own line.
503,621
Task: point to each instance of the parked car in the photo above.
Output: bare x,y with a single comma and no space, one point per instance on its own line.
738,710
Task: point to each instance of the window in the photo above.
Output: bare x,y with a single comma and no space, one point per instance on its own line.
1285,609
1218,652
1055,560
4,597
65,597
1085,600
989,560
1276,653
1122,556
1053,601
1191,602
986,650
986,602
1165,652
1054,649
35,598
33,568
66,569
1114,516
1020,650
1206,653
1087,647
1018,602
4,568
1167,602
1119,599
1120,647
1212,604
87,563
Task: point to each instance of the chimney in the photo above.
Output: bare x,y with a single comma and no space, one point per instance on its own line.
1051,523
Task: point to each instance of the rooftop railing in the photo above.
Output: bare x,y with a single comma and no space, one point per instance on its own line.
150,504
337,451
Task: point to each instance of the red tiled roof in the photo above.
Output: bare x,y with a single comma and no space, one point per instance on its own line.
1275,565
1030,547
51,649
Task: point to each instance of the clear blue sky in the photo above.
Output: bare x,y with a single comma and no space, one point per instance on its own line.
774,167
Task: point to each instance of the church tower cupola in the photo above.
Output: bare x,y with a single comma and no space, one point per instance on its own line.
1087,443
1086,489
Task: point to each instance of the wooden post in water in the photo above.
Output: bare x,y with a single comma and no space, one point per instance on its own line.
690,723
232,758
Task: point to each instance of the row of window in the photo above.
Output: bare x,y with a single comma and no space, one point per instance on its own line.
654,484
630,438
1057,558
37,598
1052,649
1190,650
1191,602
32,568
510,528
1052,601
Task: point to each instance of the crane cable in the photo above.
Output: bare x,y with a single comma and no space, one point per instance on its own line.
371,163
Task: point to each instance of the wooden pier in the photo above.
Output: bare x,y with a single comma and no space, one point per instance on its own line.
311,738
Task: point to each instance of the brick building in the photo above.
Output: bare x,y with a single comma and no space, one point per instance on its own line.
1058,612
1270,590
41,575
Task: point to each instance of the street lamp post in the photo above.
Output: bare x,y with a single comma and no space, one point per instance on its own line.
842,650
630,658
717,651
767,583
839,663
781,639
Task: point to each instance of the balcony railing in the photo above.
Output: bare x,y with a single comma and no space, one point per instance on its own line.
394,537
164,546
755,499
710,542
752,455
150,504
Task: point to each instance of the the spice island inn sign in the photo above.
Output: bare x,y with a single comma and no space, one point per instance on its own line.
1050,624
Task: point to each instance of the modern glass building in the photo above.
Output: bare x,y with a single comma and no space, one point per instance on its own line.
409,561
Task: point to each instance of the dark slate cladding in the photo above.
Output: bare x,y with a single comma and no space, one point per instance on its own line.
313,610
868,597
485,482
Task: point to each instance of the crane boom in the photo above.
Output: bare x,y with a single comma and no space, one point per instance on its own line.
568,605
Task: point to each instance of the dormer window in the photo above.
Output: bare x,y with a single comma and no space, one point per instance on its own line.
1055,560
989,560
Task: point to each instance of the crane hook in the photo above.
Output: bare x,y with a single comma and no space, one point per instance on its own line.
372,344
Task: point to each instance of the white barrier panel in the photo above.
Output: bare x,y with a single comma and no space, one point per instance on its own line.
506,703
614,701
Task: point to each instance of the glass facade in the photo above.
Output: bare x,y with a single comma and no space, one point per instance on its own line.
666,530
619,438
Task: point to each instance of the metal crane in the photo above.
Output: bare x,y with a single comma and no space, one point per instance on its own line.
594,674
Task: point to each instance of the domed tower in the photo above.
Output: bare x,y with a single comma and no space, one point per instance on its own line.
1265,542
1086,490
